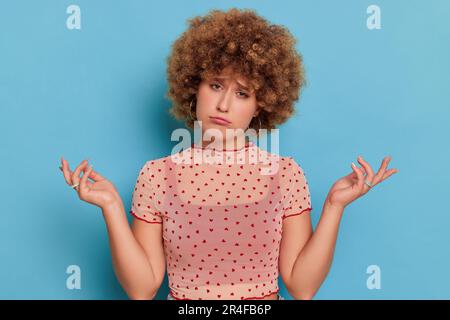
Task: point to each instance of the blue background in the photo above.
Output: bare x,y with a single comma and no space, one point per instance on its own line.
99,92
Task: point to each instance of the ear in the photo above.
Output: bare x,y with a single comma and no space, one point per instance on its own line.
258,110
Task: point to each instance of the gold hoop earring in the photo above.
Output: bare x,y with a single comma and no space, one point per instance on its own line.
260,125
190,110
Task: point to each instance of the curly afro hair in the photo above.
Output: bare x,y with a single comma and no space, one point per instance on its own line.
262,53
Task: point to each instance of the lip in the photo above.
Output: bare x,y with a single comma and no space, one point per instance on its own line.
220,120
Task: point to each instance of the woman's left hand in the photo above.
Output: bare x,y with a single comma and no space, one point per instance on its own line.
352,186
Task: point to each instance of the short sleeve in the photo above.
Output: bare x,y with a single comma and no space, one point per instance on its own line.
298,200
143,204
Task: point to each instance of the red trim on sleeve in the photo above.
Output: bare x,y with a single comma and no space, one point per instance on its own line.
176,298
262,296
134,214
278,290
296,214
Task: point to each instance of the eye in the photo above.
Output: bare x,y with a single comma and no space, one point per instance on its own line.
243,94
215,86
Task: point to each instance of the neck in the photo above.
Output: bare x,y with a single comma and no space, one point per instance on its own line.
233,143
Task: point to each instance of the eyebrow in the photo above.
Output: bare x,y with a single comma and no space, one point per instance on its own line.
225,78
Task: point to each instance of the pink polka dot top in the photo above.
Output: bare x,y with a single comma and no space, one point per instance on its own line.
221,214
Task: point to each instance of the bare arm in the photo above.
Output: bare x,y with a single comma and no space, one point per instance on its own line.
314,260
315,252
140,270
138,256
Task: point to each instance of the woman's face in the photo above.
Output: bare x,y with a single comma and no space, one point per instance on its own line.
227,96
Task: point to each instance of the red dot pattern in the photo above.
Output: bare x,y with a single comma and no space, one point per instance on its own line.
221,221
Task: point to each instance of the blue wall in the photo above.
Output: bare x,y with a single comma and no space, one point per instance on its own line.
99,92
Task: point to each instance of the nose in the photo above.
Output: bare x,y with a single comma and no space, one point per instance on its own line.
224,102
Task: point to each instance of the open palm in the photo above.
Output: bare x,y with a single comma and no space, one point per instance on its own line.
352,186
100,191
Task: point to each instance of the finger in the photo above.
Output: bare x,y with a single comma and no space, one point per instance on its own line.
359,175
83,183
68,175
353,173
370,173
88,182
89,176
388,173
381,171
66,171
367,167
76,173
94,175
363,170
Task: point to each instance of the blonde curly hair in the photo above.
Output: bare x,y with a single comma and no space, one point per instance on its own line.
261,52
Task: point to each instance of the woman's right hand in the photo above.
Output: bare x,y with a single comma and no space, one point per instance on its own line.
100,192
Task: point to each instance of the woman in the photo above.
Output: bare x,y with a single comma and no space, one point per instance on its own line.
226,229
